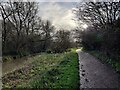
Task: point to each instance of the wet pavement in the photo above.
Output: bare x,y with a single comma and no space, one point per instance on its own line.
94,74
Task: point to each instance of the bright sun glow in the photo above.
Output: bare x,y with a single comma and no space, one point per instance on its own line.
84,26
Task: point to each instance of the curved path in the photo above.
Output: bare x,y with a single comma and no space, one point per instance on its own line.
94,74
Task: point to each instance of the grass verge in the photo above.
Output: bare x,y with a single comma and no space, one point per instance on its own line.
47,71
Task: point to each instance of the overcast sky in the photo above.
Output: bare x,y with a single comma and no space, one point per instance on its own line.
59,13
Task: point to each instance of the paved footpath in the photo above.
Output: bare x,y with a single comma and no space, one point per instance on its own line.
94,74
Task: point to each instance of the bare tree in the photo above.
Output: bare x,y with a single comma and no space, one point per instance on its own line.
103,17
99,12
61,41
21,15
47,29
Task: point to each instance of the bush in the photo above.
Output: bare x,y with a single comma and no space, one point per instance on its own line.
48,51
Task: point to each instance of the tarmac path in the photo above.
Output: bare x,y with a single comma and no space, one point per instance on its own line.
94,74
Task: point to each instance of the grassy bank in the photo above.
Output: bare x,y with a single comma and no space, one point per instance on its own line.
46,71
105,59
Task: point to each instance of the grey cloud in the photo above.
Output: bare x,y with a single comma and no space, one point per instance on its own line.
60,16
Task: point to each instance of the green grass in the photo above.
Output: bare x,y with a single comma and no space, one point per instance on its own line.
47,71
114,63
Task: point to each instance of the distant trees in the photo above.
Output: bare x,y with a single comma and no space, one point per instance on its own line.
61,41
103,32
48,34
